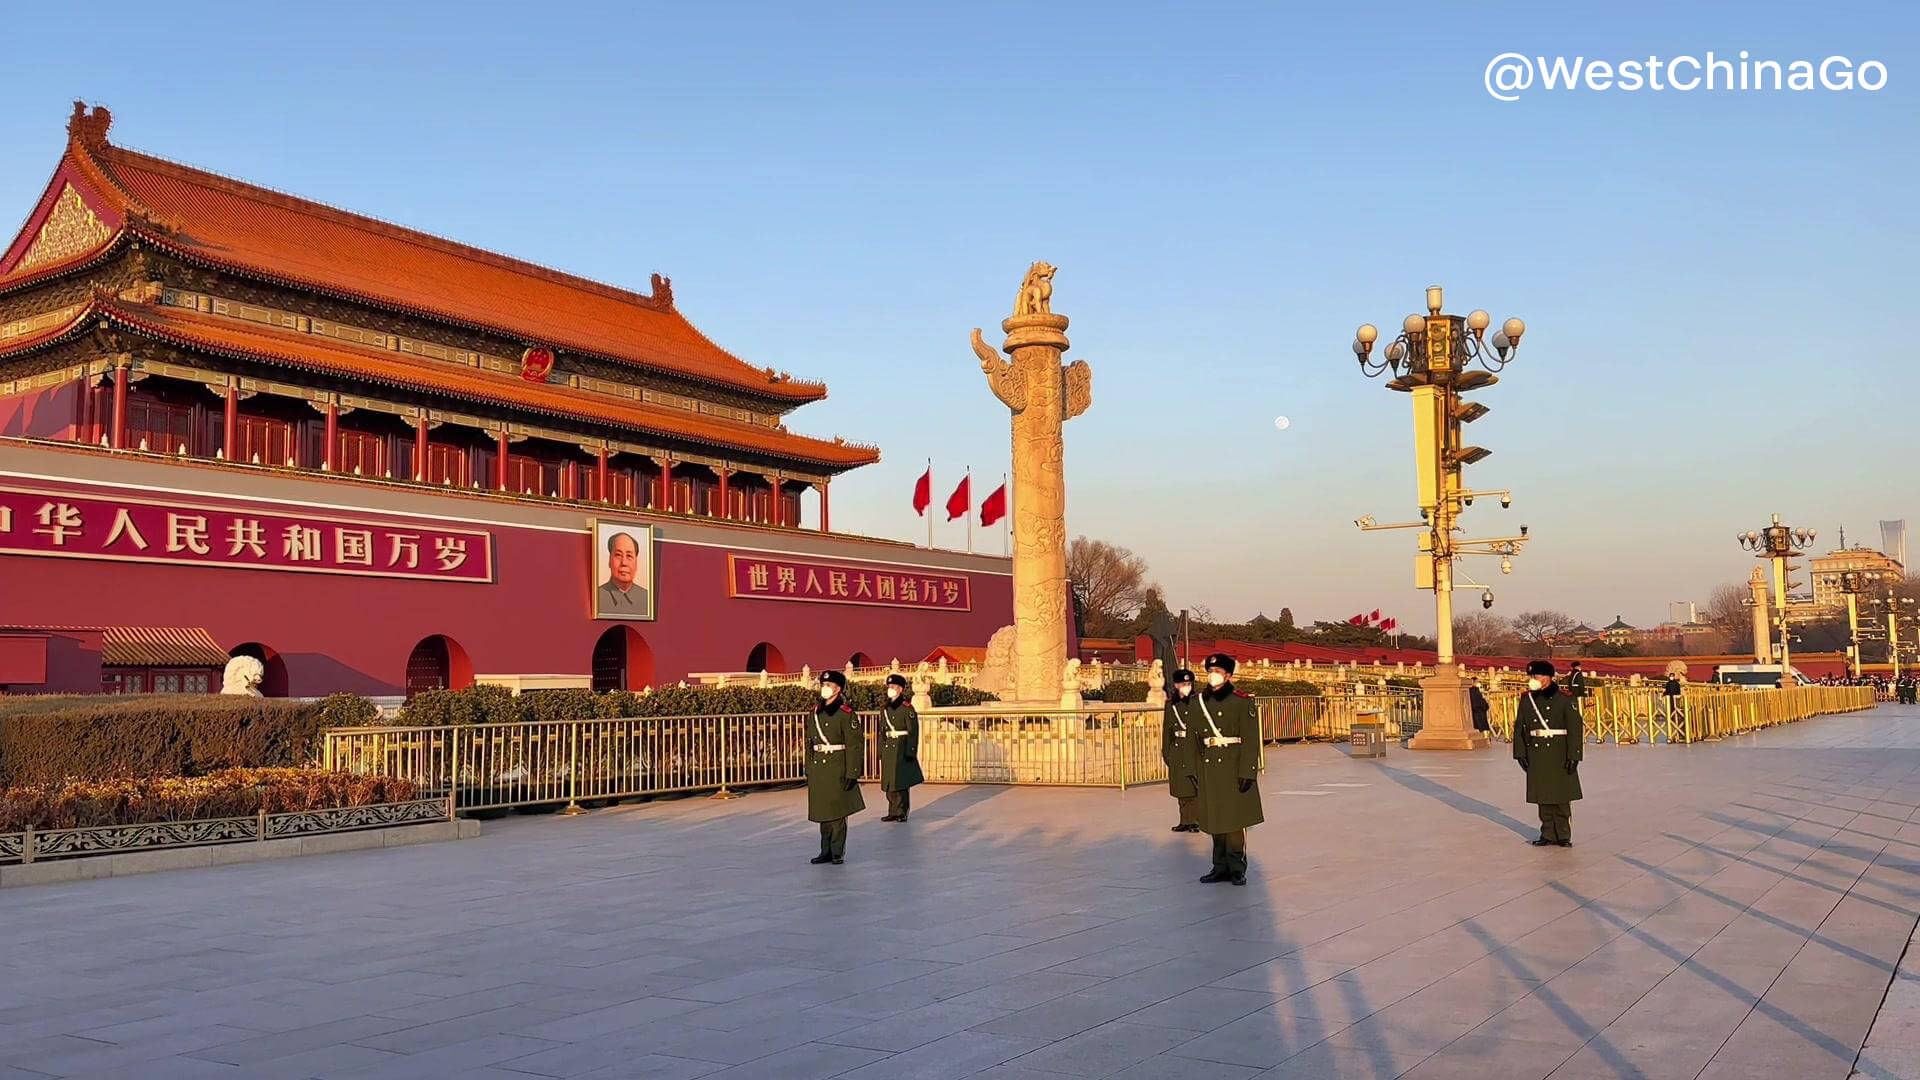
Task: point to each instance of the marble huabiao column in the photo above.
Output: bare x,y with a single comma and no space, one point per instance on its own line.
1041,395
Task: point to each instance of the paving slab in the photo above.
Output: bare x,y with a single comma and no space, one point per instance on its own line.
1737,909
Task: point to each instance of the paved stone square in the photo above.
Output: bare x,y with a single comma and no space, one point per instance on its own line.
1728,910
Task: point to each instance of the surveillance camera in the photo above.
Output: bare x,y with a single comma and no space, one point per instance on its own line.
1423,513
1506,502
1468,500
1486,599
1523,530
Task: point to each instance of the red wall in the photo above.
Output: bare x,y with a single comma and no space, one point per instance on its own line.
336,632
48,414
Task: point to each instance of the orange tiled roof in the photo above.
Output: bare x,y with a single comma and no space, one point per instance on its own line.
330,356
205,217
159,646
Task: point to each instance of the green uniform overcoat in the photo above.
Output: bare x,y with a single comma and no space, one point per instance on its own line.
899,755
1552,761
1223,807
828,797
1178,741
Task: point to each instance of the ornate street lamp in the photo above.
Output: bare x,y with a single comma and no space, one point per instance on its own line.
1778,543
1897,608
1432,360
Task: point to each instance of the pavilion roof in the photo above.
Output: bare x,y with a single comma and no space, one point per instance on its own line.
330,356
213,220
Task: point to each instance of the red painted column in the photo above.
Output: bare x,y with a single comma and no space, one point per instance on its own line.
230,424
330,456
121,376
420,444
600,489
777,511
666,484
500,463
83,425
726,511
823,507
570,481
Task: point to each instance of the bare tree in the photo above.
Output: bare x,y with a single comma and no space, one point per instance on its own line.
1110,581
1537,628
1484,634
1727,612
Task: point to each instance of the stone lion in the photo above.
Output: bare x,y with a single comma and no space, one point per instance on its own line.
243,676
1036,292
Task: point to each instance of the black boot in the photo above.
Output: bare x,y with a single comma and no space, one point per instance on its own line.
823,857
1216,876
1539,841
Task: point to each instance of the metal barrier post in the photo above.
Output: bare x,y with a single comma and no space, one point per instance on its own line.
1121,720
574,809
723,793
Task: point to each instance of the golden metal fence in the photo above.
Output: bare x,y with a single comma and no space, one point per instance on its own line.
1645,714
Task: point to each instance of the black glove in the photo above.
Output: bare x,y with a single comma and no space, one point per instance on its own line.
1246,786
1571,766
851,784
1194,780
1523,764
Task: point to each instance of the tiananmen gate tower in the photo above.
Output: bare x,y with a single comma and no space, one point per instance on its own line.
236,421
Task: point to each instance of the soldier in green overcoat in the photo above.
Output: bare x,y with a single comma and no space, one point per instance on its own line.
836,751
1228,760
1178,742
1548,743
899,734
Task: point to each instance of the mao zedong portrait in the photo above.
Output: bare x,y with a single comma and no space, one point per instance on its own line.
623,594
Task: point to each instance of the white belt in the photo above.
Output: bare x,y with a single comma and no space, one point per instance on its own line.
1222,740
892,734
1548,731
824,747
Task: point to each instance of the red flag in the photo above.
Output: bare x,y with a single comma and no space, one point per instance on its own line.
994,506
923,491
961,500
1388,624
1375,617
1357,620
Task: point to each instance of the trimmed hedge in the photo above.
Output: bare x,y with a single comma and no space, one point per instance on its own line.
228,793
493,704
45,740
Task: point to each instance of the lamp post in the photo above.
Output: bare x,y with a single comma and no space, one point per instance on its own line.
1430,361
1778,543
1850,588
1897,608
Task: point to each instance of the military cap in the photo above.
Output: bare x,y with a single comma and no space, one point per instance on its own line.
899,680
1540,667
1183,675
834,677
1222,661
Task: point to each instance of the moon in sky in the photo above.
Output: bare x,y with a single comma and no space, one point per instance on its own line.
1282,422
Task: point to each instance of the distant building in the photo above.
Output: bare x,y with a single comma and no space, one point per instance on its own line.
1619,631
1682,612
1828,568
1893,540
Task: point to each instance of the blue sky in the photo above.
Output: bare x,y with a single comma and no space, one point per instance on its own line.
1714,282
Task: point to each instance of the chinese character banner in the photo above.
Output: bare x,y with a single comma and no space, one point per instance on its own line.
769,578
43,523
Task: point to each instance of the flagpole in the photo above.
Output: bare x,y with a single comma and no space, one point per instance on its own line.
1006,514
929,510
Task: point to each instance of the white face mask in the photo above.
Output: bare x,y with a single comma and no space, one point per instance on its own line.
1536,683
893,693
827,692
1183,689
1215,679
